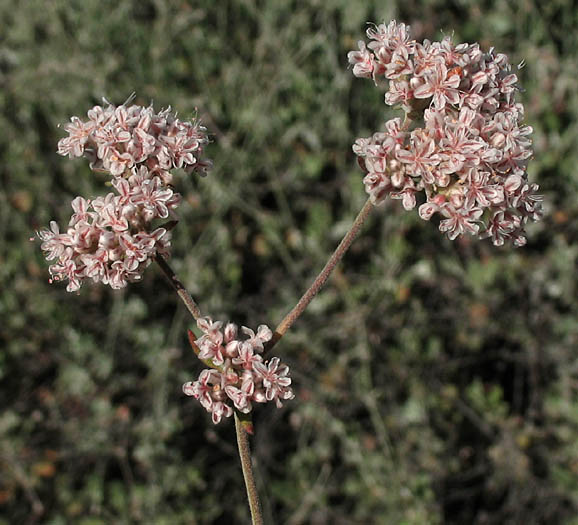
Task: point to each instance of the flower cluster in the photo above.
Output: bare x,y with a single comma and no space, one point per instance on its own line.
240,376
115,139
461,142
112,239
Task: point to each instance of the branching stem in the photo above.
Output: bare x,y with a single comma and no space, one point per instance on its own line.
284,325
320,280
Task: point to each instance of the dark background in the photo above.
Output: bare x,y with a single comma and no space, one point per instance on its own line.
436,381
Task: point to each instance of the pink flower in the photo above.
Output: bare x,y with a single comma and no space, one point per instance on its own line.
441,85
479,191
154,197
242,397
362,61
247,357
399,91
421,157
81,214
460,221
406,194
275,380
203,388
390,40
79,134
263,335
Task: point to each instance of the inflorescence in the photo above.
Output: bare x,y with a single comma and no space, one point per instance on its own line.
461,142
239,376
112,239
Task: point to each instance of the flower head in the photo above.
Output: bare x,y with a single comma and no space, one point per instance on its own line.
241,377
462,145
115,139
112,239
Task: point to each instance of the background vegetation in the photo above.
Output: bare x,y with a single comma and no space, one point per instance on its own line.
437,382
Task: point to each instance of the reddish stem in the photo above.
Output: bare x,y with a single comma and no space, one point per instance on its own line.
320,280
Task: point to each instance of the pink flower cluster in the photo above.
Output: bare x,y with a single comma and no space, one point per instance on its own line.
112,239
115,139
461,142
240,376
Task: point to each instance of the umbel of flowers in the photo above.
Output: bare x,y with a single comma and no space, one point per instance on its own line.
461,144
112,239
238,376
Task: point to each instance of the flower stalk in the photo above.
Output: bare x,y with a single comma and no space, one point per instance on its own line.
321,279
182,292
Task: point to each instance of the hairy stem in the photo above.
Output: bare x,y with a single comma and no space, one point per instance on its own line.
320,280
185,296
245,456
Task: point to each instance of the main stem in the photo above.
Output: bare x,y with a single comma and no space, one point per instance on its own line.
185,296
245,456
320,280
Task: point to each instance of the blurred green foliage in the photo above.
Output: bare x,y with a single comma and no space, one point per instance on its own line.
437,382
